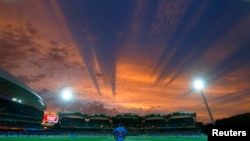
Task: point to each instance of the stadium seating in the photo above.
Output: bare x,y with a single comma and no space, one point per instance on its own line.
154,122
21,108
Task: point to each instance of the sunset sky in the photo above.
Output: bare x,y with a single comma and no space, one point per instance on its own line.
137,56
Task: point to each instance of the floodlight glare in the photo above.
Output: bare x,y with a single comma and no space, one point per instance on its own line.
66,94
198,84
14,99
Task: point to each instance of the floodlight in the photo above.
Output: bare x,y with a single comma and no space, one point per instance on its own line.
66,94
14,99
199,84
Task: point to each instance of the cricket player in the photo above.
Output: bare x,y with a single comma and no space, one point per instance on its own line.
120,133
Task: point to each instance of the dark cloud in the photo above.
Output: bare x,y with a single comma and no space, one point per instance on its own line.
92,108
233,97
43,91
31,79
57,55
10,1
15,43
186,49
234,61
31,29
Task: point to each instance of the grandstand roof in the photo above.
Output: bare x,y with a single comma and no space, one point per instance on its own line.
72,114
13,89
126,116
99,116
181,114
154,116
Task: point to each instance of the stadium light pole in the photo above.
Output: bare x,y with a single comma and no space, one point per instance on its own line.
66,96
199,85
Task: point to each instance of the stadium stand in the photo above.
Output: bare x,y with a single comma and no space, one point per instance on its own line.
181,120
100,122
20,107
154,122
72,120
132,122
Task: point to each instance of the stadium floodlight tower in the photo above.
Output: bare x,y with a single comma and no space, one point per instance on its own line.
66,96
199,85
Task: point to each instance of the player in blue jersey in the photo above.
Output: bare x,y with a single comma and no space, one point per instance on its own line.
120,133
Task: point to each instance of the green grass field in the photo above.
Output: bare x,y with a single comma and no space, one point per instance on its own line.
103,138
